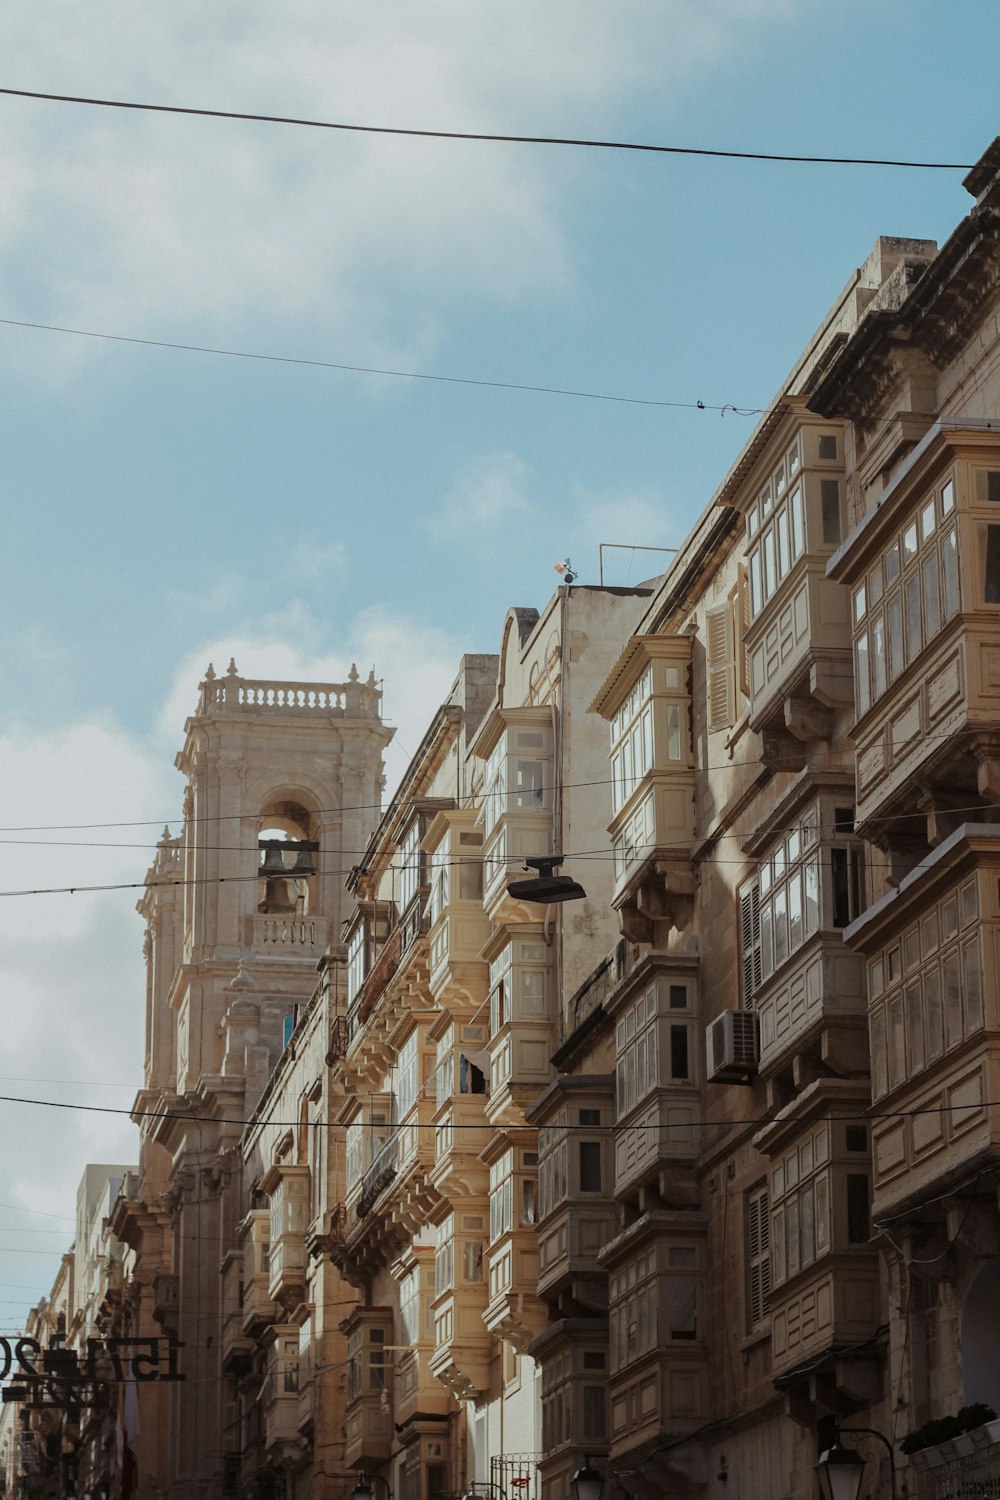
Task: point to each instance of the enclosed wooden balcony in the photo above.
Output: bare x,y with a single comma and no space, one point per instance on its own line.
458,926
576,1208
460,1134
258,1304
279,1395
515,814
647,702
462,1343
658,1379
369,1417
236,1346
931,948
514,1311
287,1185
922,569
823,1266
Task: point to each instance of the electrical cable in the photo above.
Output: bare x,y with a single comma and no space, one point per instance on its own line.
826,761
724,1121
470,135
326,364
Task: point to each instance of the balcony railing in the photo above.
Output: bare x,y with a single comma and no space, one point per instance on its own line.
379,1175
338,1040
970,1476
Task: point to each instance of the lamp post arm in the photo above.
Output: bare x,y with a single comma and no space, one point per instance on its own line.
880,1437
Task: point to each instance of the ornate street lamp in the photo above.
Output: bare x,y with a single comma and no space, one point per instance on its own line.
365,1487
840,1470
587,1483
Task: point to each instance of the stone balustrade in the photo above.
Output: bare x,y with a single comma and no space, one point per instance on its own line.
353,699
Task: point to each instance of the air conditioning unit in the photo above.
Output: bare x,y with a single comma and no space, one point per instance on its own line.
731,1047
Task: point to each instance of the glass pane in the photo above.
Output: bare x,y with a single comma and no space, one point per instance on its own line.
952,998
928,520
673,731
769,563
914,1030
932,601
756,596
894,635
891,562
973,986
991,593
897,1055
909,543
932,1012
682,1307
914,638
860,603
875,583
879,661
948,497
798,530
862,687
830,504
949,575
781,525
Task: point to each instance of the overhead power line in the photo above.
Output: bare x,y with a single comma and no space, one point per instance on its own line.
724,1121
327,364
476,135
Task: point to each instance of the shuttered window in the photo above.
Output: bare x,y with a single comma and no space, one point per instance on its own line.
758,1257
750,948
720,652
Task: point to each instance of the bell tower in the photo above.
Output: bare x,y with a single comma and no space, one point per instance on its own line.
283,787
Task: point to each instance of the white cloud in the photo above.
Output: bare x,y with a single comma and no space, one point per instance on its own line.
417,661
490,495
361,244
498,507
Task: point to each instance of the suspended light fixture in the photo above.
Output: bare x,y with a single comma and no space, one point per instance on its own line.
839,1472
546,886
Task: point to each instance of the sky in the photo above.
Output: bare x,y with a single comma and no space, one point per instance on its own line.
163,509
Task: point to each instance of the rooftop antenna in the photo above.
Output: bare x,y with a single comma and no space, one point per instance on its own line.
567,571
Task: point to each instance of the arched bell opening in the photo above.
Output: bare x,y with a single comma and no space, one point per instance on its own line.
288,858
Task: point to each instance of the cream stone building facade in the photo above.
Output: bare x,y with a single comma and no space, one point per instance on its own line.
676,1180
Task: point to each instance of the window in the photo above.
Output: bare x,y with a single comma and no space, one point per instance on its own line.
858,1205
645,1062
518,984
723,645
590,1166
926,989
912,592
776,528
501,1196
799,1229
366,1360
517,774
409,1307
758,1229
634,1310
356,961
444,1255
410,863
408,1075
803,885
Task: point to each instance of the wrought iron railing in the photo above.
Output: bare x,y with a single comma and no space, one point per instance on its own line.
379,1175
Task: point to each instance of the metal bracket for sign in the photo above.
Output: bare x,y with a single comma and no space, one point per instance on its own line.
64,1380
